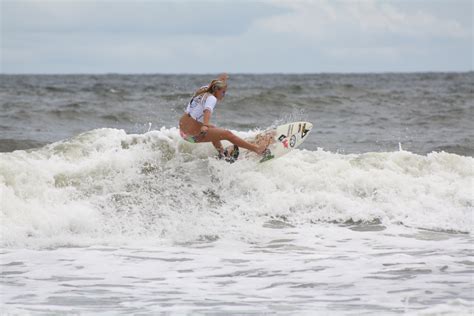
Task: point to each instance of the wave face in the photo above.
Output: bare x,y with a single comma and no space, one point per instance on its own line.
106,186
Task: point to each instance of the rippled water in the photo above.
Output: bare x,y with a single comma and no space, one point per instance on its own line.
353,113
318,269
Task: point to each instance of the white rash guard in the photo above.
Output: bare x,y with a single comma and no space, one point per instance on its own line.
197,105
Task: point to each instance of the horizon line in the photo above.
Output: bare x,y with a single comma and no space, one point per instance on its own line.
231,73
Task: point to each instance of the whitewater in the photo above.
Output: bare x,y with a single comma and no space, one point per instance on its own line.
125,217
151,206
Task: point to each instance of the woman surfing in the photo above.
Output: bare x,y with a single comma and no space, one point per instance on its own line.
195,127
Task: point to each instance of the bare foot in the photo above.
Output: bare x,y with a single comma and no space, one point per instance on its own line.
261,149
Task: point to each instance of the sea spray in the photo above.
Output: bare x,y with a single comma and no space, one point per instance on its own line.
106,185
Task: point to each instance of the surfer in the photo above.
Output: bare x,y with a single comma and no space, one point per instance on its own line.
194,125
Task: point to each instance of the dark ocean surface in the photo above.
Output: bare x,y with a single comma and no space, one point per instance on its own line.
352,113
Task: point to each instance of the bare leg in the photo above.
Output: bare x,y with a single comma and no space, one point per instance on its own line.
215,135
217,144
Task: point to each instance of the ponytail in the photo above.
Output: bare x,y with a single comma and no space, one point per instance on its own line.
215,85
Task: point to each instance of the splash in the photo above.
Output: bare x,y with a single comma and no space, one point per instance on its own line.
108,186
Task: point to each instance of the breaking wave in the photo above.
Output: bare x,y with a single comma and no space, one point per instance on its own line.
108,186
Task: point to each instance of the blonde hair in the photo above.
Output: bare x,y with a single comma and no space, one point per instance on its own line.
215,85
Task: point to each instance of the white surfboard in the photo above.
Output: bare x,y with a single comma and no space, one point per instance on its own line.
279,141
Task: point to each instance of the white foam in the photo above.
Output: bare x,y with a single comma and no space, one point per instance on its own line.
109,186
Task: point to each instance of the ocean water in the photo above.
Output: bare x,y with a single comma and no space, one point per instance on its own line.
105,210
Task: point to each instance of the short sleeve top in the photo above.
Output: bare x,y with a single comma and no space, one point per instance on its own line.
199,104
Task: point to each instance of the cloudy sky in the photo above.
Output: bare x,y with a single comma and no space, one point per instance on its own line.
268,36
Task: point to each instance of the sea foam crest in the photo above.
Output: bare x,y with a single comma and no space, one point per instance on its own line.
105,185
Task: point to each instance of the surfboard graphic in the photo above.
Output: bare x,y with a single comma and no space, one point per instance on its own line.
280,140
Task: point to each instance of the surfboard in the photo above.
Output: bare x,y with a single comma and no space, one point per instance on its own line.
279,141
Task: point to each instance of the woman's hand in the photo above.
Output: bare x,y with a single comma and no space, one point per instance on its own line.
223,77
204,129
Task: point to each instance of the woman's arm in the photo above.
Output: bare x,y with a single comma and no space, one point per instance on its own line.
207,117
205,122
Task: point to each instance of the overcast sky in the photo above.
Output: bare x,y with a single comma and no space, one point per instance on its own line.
137,36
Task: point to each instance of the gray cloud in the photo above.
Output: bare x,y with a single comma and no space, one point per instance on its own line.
207,37
162,18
